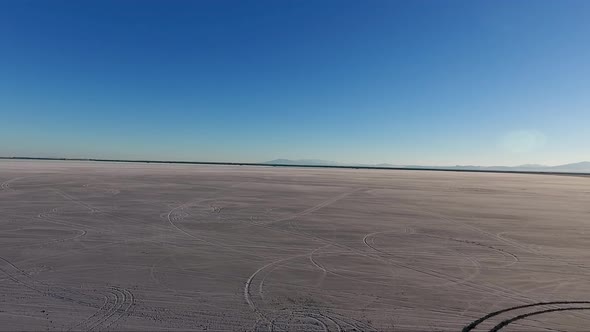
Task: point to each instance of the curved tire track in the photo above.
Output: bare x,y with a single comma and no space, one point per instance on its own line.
5,186
504,323
248,286
105,315
499,326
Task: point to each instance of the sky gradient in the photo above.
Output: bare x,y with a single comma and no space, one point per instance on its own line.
401,82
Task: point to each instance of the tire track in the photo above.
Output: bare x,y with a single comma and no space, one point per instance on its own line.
451,280
285,324
338,326
356,324
40,287
49,217
371,238
76,201
198,238
479,321
311,209
523,316
412,231
105,314
248,286
456,280
480,288
127,305
268,224
82,324
310,236
274,264
121,307
429,272
60,294
502,240
5,186
324,321
110,312
468,283
80,234
326,271
319,266
514,257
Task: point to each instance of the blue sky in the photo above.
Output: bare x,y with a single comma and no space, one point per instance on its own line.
402,82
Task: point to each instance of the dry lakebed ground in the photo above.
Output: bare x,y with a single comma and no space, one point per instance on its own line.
140,246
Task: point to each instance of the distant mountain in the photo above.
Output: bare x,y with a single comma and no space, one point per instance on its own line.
311,162
581,167
532,166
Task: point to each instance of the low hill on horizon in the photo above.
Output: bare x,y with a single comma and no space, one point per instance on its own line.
580,167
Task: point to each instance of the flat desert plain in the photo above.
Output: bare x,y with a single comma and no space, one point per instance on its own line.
135,247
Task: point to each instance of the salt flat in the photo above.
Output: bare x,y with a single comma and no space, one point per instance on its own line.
124,246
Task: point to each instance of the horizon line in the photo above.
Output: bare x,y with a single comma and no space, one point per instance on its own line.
416,168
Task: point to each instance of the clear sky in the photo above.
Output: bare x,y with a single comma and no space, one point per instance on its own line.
402,82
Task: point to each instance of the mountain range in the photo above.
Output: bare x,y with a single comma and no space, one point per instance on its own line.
581,167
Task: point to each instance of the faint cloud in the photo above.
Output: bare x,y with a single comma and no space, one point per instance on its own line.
522,141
